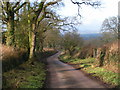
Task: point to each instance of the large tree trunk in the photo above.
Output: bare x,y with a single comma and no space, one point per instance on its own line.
32,43
10,33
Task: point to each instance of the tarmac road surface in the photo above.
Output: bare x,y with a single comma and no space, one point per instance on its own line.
62,75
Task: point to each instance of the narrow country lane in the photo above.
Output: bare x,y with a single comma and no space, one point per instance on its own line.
62,75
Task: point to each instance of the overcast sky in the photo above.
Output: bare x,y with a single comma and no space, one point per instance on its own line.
91,18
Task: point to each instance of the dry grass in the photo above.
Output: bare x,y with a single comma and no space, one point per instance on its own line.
8,52
11,57
48,49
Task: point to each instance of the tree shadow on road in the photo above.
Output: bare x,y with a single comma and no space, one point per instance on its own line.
71,69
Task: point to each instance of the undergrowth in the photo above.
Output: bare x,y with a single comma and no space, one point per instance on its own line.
12,57
25,76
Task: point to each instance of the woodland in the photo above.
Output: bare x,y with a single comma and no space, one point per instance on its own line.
33,31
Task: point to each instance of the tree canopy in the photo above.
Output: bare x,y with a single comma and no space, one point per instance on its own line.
29,24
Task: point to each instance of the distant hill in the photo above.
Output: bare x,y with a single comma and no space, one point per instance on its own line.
90,36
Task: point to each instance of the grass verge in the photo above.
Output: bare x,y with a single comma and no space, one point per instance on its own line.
87,65
27,75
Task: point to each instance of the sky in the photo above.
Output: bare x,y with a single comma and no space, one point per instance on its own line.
91,18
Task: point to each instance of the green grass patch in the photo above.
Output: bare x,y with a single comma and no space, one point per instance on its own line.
87,60
25,76
107,76
65,58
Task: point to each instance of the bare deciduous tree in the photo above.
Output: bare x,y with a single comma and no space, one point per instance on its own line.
109,29
110,25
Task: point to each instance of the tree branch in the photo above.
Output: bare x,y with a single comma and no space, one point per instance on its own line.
39,10
96,3
20,6
40,19
93,4
51,3
16,5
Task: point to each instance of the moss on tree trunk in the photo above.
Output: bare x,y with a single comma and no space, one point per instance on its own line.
32,42
10,33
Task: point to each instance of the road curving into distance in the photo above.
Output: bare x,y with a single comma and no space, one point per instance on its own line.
62,75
